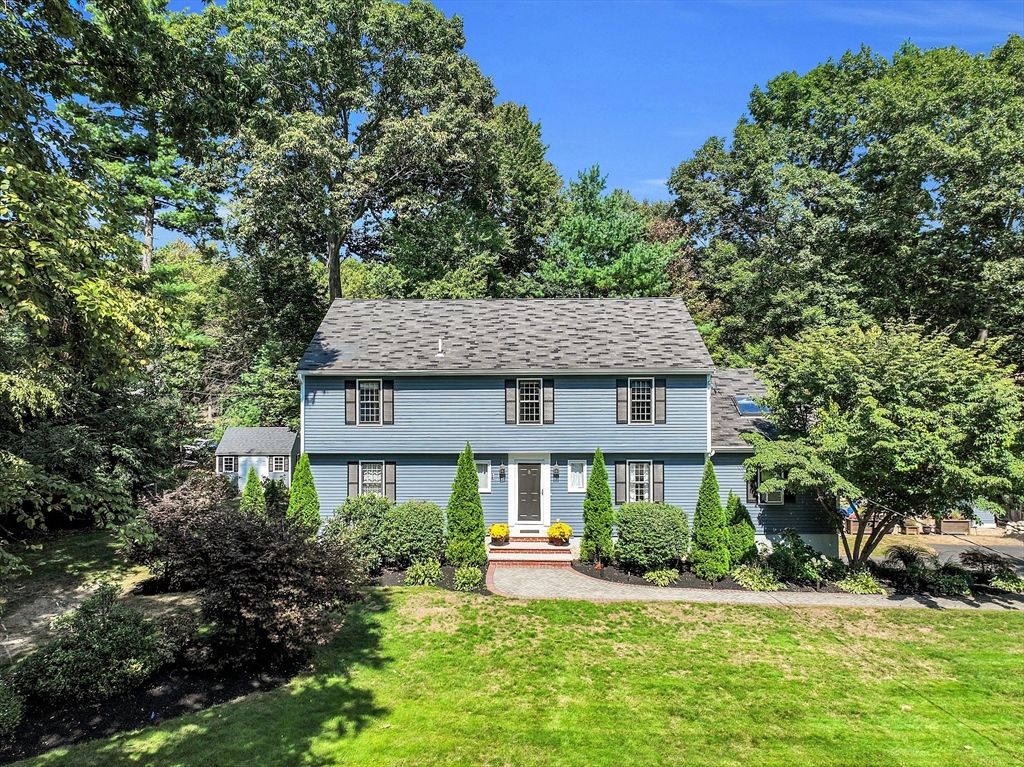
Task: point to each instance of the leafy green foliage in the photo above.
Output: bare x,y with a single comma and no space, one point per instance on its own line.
412,531
102,649
12,708
789,557
902,418
303,502
661,577
741,539
652,536
860,582
277,495
598,514
361,520
424,572
756,577
253,501
466,534
709,557
950,579
467,578
1008,581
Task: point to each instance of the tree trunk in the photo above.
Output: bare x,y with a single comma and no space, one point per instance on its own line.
147,245
983,331
334,267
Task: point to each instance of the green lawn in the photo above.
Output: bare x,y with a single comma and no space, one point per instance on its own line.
423,677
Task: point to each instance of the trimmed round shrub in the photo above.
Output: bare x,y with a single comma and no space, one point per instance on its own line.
12,706
103,649
412,531
652,536
360,521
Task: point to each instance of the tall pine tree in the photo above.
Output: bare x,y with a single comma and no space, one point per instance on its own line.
709,557
598,514
254,502
466,533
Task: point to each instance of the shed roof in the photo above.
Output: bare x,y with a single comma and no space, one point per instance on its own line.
507,336
257,440
727,423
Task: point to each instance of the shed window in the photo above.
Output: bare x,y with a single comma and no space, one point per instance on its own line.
228,464
483,476
279,463
529,400
577,476
369,403
371,478
641,400
639,488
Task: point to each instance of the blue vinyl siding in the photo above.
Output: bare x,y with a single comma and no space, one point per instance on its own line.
438,414
804,515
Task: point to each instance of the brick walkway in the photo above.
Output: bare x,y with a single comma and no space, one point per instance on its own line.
566,583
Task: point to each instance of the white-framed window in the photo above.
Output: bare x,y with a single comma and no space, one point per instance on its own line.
483,476
369,402
775,498
638,481
528,400
228,464
577,477
278,463
371,477
641,400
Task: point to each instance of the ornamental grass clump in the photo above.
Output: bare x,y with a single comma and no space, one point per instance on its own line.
467,544
598,514
652,536
709,557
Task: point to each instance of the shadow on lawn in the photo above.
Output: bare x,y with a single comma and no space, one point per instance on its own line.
275,728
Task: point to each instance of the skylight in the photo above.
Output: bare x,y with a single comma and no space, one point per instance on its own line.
748,406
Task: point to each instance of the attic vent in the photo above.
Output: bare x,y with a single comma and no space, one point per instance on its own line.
440,347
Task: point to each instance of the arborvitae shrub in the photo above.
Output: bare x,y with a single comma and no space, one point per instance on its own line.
709,558
304,503
253,501
741,538
652,536
466,533
412,531
598,514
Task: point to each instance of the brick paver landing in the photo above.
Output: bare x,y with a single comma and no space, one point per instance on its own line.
566,583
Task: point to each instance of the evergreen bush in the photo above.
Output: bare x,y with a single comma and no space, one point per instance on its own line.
304,503
360,522
466,533
411,531
253,501
598,514
709,558
652,536
741,539
12,707
276,493
790,558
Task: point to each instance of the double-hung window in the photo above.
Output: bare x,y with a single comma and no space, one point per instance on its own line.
774,498
577,476
278,463
228,464
638,481
483,476
529,400
369,403
641,400
371,478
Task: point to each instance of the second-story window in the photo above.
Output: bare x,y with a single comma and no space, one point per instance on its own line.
529,400
369,403
641,400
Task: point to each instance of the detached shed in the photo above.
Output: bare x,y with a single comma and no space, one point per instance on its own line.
270,450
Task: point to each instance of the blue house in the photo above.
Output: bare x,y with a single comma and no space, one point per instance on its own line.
393,389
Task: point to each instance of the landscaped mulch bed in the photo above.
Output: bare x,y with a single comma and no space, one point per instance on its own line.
687,580
397,578
168,694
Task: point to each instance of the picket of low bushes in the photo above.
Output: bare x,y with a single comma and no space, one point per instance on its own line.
652,536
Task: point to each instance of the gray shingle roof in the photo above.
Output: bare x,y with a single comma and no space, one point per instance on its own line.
257,440
568,335
727,424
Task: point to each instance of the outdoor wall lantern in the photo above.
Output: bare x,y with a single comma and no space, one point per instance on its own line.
554,471
501,472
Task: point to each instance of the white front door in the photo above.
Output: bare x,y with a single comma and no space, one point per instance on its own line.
529,493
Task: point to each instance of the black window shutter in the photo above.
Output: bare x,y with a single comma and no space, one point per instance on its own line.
659,400
353,479
389,480
549,400
510,400
387,402
620,482
658,481
350,403
622,400
752,490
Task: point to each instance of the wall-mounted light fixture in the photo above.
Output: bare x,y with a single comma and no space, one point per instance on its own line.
554,471
501,472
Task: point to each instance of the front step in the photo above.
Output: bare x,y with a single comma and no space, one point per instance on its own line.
530,550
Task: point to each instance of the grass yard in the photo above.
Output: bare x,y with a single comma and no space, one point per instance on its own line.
424,677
